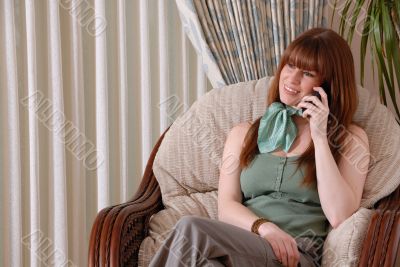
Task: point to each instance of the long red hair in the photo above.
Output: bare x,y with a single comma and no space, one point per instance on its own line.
324,51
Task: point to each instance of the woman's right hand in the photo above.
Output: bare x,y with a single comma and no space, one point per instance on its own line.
283,244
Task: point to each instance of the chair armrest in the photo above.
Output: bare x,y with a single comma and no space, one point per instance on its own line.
381,244
132,226
119,230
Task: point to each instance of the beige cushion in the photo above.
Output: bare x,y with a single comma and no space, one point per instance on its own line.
384,141
187,163
343,245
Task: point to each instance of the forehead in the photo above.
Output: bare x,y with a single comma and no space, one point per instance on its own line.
304,63
305,57
315,72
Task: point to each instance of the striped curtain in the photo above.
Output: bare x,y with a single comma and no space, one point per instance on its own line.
86,89
244,40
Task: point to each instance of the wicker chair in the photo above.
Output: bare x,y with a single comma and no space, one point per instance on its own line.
119,230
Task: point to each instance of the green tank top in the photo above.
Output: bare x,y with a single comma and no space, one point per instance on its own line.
271,188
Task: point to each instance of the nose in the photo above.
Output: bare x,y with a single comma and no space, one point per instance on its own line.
295,76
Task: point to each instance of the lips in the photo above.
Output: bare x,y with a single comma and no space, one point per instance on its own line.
290,90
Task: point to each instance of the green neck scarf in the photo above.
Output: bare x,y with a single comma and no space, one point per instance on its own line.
277,129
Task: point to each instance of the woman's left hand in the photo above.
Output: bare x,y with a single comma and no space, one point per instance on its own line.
317,113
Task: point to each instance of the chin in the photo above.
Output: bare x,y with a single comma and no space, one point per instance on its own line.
291,102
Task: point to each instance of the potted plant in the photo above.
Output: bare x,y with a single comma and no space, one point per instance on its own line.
380,28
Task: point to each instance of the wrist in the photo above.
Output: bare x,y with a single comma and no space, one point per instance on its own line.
321,141
256,225
264,228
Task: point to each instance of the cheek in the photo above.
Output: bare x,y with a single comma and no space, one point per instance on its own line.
282,78
281,81
309,84
284,72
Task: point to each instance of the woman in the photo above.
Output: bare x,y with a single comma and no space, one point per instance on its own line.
288,175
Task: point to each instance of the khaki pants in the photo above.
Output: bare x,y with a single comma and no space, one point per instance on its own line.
199,241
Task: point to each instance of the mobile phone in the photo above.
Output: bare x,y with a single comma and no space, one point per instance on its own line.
327,88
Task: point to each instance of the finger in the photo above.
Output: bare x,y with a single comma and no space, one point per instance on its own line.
275,248
314,99
306,105
291,253
324,96
284,253
307,113
320,90
295,255
313,111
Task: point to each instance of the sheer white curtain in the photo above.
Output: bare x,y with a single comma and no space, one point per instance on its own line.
87,87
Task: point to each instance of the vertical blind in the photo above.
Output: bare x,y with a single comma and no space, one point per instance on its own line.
87,87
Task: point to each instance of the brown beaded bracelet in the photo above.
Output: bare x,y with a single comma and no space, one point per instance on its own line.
256,224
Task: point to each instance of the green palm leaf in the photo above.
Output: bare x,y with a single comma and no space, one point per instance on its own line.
389,41
381,30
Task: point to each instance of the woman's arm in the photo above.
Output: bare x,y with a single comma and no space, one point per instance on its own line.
340,186
232,211
230,207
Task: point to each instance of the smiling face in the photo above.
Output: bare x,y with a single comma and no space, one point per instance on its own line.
295,83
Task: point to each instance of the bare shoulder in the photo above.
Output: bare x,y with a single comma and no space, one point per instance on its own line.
358,133
356,147
237,135
239,130
243,125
